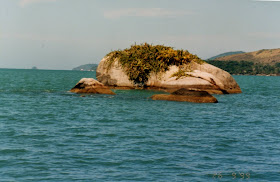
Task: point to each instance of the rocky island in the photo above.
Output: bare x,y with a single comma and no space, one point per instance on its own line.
145,66
162,67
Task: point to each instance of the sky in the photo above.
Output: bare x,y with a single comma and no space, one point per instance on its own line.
63,34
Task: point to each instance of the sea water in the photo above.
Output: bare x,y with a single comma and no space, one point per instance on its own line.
50,134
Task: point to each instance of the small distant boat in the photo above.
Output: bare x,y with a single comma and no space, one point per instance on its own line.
34,68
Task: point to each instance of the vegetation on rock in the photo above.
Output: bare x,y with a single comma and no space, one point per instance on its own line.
179,74
140,60
182,72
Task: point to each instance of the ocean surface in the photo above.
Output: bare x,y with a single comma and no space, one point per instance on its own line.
50,134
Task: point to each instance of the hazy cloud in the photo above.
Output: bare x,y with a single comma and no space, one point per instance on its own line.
23,3
144,12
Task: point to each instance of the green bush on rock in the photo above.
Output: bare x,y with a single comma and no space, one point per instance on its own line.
140,60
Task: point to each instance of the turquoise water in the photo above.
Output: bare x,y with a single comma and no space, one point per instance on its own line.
49,134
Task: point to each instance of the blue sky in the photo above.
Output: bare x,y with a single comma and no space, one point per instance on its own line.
62,34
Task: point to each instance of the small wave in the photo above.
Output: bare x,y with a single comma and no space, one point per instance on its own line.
12,151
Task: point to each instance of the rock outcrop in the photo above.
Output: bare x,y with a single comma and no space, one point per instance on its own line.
196,77
90,85
184,95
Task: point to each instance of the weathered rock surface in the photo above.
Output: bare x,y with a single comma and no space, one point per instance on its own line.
90,85
200,77
115,76
184,95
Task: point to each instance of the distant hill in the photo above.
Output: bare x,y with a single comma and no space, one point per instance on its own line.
264,56
262,62
226,54
86,67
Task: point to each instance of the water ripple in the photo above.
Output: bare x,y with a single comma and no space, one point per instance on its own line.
49,134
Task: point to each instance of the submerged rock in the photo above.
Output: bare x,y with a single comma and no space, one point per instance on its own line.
90,85
185,95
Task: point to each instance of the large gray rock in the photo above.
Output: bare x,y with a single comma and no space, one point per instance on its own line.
113,76
200,77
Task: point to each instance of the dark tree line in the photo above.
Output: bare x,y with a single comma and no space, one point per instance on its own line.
246,67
